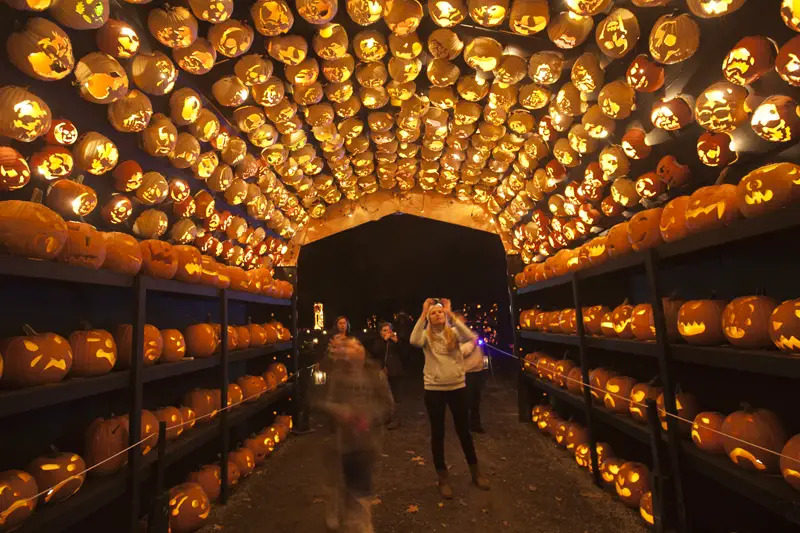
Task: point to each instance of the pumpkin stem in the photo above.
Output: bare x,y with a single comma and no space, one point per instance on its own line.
79,179
29,331
85,324
37,196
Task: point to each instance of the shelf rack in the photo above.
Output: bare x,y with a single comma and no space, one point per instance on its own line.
101,491
772,493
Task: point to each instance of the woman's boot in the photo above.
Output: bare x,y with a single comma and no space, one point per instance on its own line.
444,485
480,481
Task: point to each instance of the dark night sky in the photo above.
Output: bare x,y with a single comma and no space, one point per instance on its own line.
394,263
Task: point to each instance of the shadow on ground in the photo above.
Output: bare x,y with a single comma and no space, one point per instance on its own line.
536,486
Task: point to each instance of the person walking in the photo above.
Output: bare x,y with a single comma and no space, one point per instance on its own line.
439,333
358,400
473,366
385,351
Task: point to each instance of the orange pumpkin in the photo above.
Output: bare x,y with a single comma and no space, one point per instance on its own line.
642,325
598,378
621,317
633,481
174,346
187,518
592,318
235,395
190,268
790,462
618,391
252,387
85,246
208,477
745,321
762,430
35,359
159,260
171,416
700,322
784,326
188,416
201,340
94,352
64,472
686,406
640,394
706,432
104,439
244,460
768,188
617,242
673,219
643,229
123,253
712,207
261,446
153,344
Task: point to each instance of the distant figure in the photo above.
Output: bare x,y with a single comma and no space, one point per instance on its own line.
473,366
385,351
445,384
358,401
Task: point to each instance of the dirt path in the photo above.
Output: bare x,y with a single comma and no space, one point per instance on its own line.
536,486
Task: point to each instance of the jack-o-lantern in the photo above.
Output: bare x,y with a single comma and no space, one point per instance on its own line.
672,172
62,473
639,395
159,260
72,198
14,170
173,346
643,229
713,8
235,396
123,254
118,39
706,432
646,508
197,58
768,188
189,507
154,73
288,49
617,34
776,119
160,137
23,115
49,163
745,321
244,459
650,185
100,78
131,113
672,114
153,189
609,468
271,17
790,462
617,242
617,100
621,318
592,317
208,477
231,38
252,387
85,246
150,224
174,27
642,325
749,60
35,359
618,391
171,416
80,14
583,454
598,377
574,380
188,416
721,107
632,482
317,11
673,219
754,432
201,340
700,322
674,38
634,144
712,207
95,153
787,62
716,149
94,352
568,30
201,401
527,17
105,442
644,75
784,326
62,132
41,50
189,264
153,344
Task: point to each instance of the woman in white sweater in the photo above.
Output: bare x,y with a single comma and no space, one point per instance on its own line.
445,384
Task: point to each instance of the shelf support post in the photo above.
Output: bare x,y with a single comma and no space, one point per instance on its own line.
135,401
224,434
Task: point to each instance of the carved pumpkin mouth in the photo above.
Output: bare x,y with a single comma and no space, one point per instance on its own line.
790,343
707,210
735,332
696,435
620,326
647,516
691,328
741,453
758,197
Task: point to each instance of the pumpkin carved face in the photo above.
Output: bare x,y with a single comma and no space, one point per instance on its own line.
201,340
674,39
209,478
686,406
745,321
643,229
639,395
776,119
62,132
644,75
85,246
790,462
712,207
784,326
705,432
632,482
18,502
173,345
23,115
123,253
172,417
598,377
592,316
673,219
759,427
64,472
700,322
35,359
14,170
42,50
189,507
618,391
153,344
94,352
101,79
768,188
617,242
159,260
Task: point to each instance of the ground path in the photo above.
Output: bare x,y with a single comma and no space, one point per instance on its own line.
536,486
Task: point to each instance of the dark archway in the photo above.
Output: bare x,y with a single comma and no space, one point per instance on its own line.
394,263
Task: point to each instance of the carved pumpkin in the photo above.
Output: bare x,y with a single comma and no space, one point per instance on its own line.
745,321
174,27
49,163
62,132
674,39
94,352
568,30
673,219
173,346
23,115
644,75
100,78
686,406
72,198
790,462
151,224
244,460
621,317
188,416
118,39
776,119
713,8
231,38
768,188
592,316
123,253
574,380
706,432
17,501
106,438
633,481
784,326
171,416
189,507
712,207
95,153
201,340
643,229
671,114
617,242
131,113
618,391
252,387
197,58
761,429
80,14
598,377
639,395
63,473
159,260
85,246
749,60
200,401
154,73
618,33
208,477
700,322
14,170
42,50
153,344
261,445
279,369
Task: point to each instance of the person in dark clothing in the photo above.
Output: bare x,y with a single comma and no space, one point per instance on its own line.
385,351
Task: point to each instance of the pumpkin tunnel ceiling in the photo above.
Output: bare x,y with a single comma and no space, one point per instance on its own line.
238,126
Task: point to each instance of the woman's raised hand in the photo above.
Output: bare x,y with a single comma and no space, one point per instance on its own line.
448,306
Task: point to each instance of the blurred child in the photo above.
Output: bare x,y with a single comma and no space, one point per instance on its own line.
358,401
